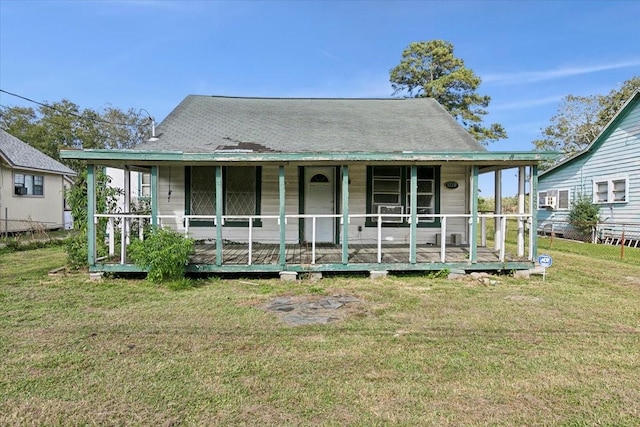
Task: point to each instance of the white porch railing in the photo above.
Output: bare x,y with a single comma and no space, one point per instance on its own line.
124,222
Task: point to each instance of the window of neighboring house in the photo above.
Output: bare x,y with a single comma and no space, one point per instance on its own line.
560,201
389,191
28,185
613,190
241,193
145,185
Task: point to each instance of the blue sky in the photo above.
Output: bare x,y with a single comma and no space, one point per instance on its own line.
151,54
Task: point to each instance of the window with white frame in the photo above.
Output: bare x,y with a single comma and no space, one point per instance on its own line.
28,185
610,190
555,199
389,192
145,185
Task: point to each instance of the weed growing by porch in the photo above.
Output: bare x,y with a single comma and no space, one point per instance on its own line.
422,351
164,254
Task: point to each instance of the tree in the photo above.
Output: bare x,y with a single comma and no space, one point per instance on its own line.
584,216
612,102
580,119
430,70
64,125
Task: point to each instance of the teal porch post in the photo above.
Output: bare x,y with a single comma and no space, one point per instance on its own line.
218,215
533,196
473,250
282,213
414,213
154,196
345,214
91,211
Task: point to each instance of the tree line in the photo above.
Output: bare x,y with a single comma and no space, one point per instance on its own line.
64,125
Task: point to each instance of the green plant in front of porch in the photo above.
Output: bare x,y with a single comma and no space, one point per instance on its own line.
77,198
165,254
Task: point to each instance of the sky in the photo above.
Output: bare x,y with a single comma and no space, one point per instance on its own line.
149,55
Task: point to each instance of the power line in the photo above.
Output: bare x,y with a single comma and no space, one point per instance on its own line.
69,112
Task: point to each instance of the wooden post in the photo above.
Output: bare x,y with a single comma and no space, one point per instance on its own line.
282,217
497,197
91,212
473,249
443,243
345,214
414,217
218,184
534,212
154,196
521,180
533,206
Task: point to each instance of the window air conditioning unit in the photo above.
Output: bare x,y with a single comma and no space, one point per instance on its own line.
389,210
20,190
549,202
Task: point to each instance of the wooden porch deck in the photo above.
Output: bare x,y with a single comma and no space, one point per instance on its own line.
301,254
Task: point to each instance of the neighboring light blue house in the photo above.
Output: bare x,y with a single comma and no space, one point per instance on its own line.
606,172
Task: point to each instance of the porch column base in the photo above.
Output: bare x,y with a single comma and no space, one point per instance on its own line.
522,274
288,276
457,275
314,276
378,274
96,275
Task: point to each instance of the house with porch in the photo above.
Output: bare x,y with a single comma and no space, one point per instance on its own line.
316,185
32,188
607,173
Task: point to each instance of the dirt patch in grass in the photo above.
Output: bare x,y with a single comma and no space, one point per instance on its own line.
633,280
314,309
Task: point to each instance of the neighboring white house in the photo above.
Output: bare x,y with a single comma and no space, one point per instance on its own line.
607,173
32,188
139,184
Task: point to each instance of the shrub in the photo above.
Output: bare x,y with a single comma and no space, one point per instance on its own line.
164,254
584,215
76,248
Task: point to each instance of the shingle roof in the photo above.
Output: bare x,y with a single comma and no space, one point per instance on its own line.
201,124
21,155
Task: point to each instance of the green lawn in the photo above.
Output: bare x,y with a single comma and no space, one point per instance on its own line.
419,351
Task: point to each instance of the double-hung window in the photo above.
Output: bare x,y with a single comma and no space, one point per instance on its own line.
610,190
145,185
389,194
240,188
28,185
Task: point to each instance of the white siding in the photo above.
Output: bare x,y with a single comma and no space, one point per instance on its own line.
453,201
23,211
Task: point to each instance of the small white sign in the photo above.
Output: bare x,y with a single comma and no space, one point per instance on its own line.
545,261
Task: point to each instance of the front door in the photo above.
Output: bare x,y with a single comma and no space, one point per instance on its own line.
319,194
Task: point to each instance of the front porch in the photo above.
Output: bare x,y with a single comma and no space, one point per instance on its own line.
360,257
430,252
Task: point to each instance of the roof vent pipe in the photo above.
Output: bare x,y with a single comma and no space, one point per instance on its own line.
153,125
